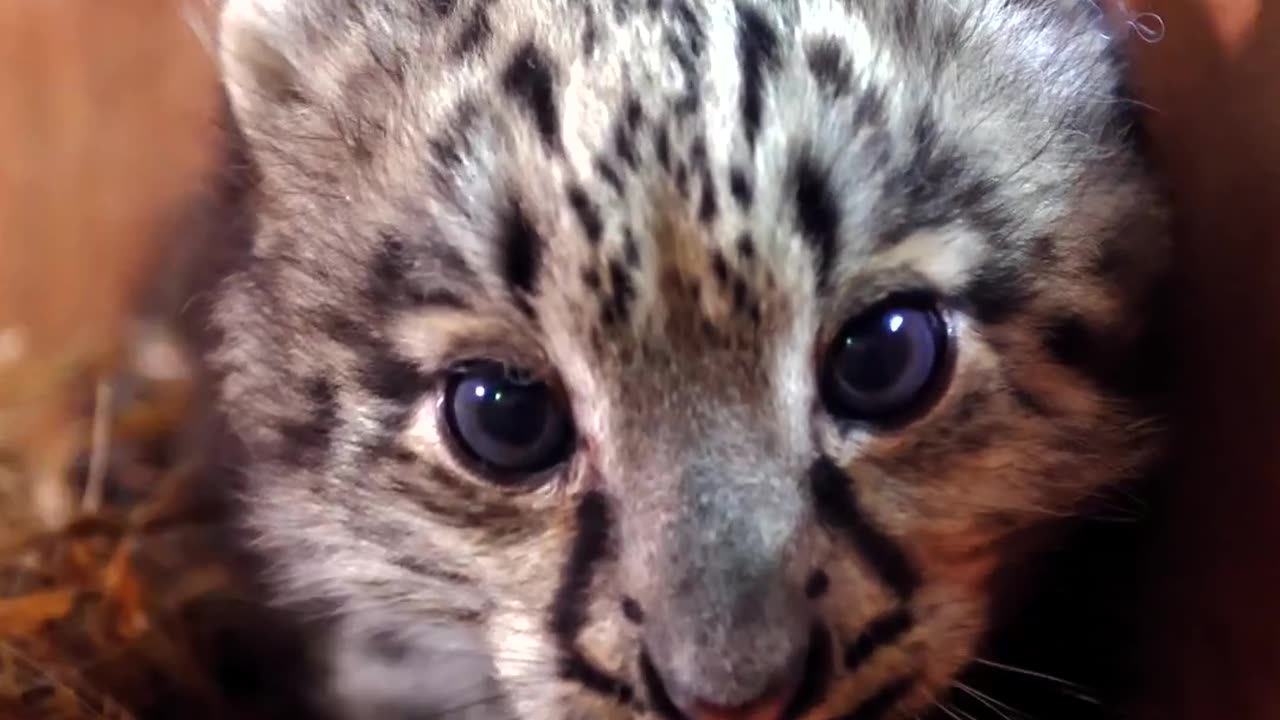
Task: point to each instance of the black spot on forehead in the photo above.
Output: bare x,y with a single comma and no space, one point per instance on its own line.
829,65
405,274
662,146
816,213
624,291
520,250
870,109
443,8
708,206
757,54
586,211
634,113
609,175
624,144
740,187
475,33
529,78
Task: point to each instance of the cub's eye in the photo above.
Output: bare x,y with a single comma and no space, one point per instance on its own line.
504,420
886,364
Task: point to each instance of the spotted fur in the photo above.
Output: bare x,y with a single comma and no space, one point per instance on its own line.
669,207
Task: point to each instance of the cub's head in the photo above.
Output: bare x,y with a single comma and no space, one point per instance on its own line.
673,358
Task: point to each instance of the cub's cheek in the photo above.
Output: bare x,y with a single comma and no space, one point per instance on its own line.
963,560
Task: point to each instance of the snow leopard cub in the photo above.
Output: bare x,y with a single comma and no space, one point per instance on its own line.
679,358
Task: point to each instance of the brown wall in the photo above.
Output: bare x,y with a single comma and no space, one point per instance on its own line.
1215,83
105,109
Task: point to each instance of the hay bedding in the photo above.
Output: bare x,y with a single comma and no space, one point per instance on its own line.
118,597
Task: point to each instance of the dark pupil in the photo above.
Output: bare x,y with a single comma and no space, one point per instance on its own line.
512,413
874,360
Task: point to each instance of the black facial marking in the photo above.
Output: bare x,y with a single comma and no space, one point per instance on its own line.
741,295
682,178
1069,341
829,65
530,81
757,54
720,268
1029,401
882,631
588,214
870,108
521,252
591,544
589,30
634,114
1131,369
475,33
977,201
450,147
632,611
455,501
36,696
740,187
837,508
698,154
935,190
391,284
878,705
387,271
624,291
437,299
309,440
817,666
393,378
997,292
443,8
624,144
579,669
609,175
630,251
662,146
817,585
656,692
746,247
906,22
568,611
388,647
591,278
708,206
691,26
817,214
687,59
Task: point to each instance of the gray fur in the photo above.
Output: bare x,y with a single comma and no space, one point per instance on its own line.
973,146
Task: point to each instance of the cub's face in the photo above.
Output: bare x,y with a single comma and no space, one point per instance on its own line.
674,358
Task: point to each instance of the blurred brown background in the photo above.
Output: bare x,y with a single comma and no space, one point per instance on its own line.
106,111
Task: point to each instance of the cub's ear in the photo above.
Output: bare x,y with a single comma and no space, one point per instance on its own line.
262,44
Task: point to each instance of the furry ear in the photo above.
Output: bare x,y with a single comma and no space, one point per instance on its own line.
260,47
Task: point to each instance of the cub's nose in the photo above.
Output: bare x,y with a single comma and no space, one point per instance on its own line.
769,706
766,699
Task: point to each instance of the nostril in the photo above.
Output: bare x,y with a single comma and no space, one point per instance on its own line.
817,585
632,611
